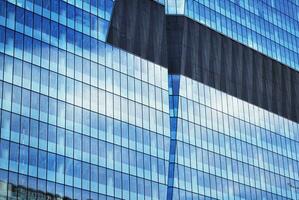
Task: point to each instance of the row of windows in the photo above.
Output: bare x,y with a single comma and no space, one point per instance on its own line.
90,124
66,39
233,148
289,8
36,189
59,10
218,187
72,91
200,95
102,8
243,18
66,63
56,112
22,20
238,129
225,190
119,185
231,169
27,160
259,10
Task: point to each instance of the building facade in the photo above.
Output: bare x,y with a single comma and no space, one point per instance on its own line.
142,99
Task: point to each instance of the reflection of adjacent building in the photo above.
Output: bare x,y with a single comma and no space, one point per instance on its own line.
15,192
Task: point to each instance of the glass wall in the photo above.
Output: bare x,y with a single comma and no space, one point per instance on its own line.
225,148
80,119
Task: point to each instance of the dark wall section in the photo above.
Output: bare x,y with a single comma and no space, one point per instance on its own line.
189,48
218,61
139,26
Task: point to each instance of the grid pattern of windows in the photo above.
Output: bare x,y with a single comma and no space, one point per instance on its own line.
271,27
79,118
226,148
61,25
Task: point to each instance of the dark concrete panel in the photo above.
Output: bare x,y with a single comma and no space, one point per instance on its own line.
139,26
220,62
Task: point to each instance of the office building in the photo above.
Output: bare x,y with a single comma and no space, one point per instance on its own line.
142,99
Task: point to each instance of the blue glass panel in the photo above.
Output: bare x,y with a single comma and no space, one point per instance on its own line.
4,147
2,12
2,39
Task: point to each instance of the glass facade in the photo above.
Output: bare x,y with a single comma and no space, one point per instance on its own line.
81,119
224,148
